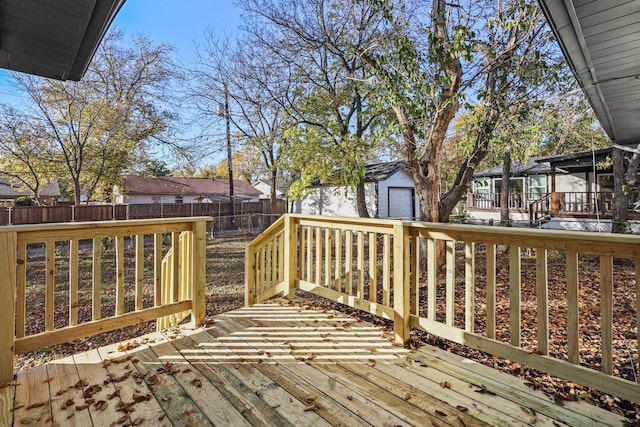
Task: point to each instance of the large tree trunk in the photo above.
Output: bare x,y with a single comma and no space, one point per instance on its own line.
76,192
505,221
361,200
624,181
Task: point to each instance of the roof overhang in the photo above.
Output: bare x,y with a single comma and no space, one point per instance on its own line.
55,38
601,41
581,162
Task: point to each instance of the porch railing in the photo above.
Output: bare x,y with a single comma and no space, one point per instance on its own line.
490,201
569,202
70,280
391,269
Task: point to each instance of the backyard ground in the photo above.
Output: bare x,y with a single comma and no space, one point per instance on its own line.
225,291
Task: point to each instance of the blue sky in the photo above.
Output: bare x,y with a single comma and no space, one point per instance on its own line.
179,22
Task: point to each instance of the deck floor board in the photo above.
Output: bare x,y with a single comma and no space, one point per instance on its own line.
280,364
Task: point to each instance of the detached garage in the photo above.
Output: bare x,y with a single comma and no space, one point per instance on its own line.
389,189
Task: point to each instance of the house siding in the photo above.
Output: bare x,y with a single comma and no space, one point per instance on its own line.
148,199
576,182
400,179
336,201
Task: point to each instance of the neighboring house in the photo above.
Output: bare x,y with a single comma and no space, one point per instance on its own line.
389,190
169,189
265,190
529,181
564,185
11,192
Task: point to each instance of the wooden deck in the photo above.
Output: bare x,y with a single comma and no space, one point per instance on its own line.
279,364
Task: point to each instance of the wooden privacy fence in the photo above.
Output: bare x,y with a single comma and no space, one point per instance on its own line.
78,271
390,268
20,215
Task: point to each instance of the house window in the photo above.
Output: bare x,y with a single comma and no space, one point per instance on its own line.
537,186
179,199
605,182
481,193
516,186
516,191
482,188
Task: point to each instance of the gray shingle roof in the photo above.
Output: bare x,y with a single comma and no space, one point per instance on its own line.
13,190
134,184
532,167
381,171
373,173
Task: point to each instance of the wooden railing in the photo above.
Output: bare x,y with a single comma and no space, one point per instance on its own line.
57,283
570,202
489,201
391,269
539,209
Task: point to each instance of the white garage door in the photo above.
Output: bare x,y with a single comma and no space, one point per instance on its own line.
401,203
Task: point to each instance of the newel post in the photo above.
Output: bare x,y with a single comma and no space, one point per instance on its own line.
250,276
8,258
290,256
199,251
401,282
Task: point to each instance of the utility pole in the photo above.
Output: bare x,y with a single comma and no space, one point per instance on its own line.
227,117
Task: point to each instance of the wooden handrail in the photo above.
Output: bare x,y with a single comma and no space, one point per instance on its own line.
186,283
568,202
359,262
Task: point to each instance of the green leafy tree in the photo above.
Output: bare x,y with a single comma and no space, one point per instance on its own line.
327,87
491,57
94,129
155,168
23,153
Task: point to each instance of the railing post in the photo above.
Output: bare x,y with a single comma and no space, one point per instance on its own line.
250,276
290,256
199,251
401,282
8,242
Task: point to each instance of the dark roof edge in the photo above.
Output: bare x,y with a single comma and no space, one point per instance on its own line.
100,21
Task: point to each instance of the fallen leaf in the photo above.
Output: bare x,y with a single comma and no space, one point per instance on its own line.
36,405
445,384
485,390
